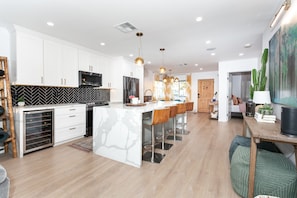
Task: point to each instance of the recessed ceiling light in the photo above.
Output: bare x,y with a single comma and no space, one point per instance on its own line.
198,19
196,65
200,68
241,54
49,23
131,55
248,45
149,62
208,41
102,44
213,54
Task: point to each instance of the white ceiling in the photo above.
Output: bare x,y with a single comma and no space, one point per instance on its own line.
169,24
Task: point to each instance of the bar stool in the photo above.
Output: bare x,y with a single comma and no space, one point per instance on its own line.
173,111
181,110
189,107
159,116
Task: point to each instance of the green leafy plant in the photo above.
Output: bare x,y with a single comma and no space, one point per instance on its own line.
265,110
259,78
21,99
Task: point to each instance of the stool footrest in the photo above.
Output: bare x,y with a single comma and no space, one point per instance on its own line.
166,146
180,131
157,157
171,137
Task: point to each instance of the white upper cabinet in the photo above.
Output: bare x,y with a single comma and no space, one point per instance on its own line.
43,60
29,59
60,65
52,63
106,69
88,61
69,67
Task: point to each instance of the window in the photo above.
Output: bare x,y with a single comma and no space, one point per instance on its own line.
159,90
179,90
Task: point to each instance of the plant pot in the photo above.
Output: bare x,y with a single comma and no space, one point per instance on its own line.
21,104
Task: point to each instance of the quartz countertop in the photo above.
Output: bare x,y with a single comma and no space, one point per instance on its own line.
148,106
41,107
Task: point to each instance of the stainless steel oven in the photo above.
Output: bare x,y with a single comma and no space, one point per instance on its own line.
89,115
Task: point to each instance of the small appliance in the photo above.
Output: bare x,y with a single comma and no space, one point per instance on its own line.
250,108
89,79
288,121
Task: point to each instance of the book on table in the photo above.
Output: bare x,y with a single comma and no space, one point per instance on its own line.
265,118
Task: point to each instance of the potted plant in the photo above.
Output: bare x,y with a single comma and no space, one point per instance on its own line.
259,77
21,101
265,110
259,80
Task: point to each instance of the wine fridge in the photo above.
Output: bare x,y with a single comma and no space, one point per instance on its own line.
38,129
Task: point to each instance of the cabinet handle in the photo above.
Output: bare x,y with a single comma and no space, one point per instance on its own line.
72,109
72,116
61,81
41,78
64,81
72,128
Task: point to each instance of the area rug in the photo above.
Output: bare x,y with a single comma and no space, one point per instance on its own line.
85,144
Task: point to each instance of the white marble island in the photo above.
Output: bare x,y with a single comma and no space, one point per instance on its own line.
117,131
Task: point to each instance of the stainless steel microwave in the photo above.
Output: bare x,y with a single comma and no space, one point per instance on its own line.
89,79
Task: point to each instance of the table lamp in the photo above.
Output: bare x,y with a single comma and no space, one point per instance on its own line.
261,98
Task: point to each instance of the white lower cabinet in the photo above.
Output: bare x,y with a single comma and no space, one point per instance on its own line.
70,123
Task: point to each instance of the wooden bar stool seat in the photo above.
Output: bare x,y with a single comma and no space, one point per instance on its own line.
173,112
159,116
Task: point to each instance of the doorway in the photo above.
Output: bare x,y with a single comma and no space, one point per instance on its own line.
205,94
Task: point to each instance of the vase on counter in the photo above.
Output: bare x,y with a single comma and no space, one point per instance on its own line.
134,100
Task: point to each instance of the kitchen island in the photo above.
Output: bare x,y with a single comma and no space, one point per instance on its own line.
117,131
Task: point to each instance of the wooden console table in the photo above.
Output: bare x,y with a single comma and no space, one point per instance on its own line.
269,132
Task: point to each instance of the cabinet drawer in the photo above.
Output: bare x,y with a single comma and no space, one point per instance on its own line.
69,133
62,121
70,110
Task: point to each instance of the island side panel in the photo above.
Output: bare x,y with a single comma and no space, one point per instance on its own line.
117,134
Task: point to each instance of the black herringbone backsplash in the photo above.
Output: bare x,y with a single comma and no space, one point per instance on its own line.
37,95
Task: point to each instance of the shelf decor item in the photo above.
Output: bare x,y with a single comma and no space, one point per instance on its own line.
21,101
259,78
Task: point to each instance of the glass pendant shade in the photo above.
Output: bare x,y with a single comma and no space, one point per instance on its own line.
139,61
162,70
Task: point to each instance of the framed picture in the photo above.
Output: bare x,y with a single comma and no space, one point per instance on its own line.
283,65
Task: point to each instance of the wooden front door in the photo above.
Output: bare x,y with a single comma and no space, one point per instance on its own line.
205,94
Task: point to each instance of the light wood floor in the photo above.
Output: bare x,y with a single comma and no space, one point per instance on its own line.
198,166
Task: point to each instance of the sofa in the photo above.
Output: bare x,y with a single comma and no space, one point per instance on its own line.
4,183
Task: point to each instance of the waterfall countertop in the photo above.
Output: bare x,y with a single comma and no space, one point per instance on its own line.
117,131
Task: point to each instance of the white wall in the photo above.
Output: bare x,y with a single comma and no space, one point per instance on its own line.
200,76
288,16
4,40
148,81
226,67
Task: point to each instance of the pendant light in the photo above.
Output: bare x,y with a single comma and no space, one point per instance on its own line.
139,60
162,68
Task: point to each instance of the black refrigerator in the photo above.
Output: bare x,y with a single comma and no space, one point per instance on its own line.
130,88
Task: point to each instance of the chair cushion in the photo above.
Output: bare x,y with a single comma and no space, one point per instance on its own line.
275,174
3,174
246,141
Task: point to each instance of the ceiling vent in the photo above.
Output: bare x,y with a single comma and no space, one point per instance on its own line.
125,27
210,49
